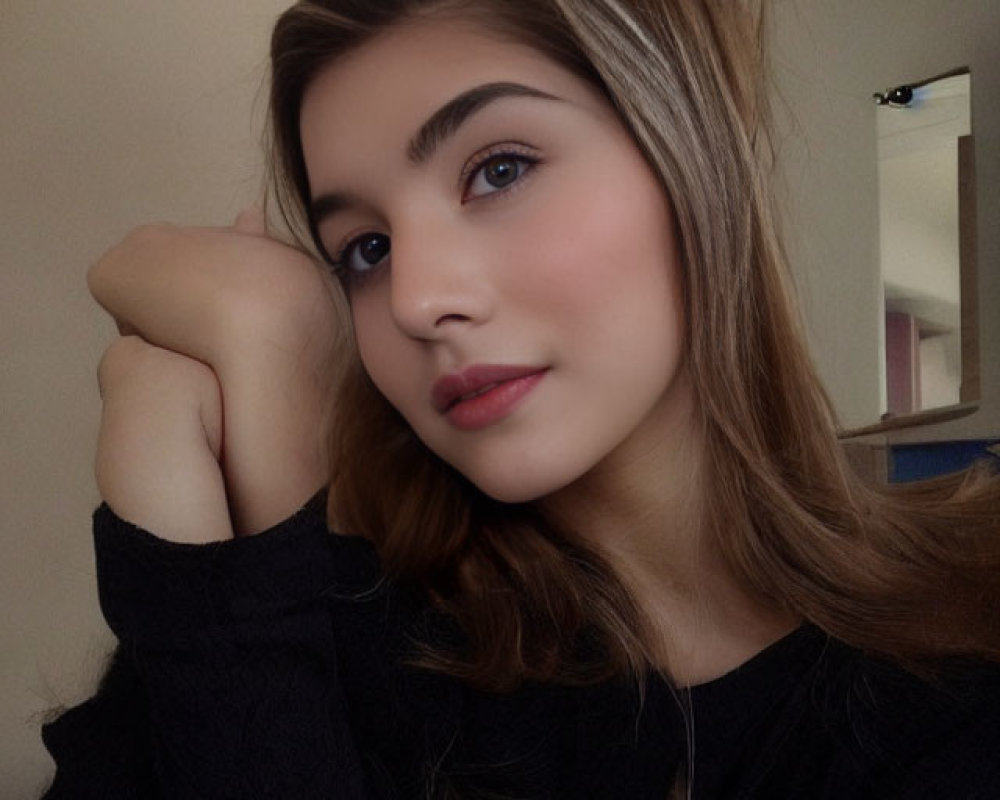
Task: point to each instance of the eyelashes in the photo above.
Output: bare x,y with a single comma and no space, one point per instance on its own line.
496,172
370,248
500,167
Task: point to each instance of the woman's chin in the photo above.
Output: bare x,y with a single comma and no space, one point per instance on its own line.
518,486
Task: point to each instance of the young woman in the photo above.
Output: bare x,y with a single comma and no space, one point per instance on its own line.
594,533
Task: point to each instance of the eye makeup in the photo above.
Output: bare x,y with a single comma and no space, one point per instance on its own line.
358,256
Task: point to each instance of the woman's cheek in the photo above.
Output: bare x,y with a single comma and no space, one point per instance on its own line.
580,247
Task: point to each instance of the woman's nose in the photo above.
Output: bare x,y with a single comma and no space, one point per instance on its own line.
438,280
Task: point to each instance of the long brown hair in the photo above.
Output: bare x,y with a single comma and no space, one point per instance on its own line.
912,573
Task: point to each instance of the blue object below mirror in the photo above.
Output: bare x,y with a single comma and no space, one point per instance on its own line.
911,462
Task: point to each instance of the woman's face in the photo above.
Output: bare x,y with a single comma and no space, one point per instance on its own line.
509,255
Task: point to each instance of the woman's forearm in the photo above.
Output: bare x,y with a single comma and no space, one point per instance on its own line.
159,443
189,289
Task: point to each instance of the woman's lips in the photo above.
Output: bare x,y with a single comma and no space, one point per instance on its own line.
480,395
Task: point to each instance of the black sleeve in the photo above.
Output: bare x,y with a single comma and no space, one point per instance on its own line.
101,747
225,682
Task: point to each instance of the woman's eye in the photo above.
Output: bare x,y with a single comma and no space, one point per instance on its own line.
363,254
497,173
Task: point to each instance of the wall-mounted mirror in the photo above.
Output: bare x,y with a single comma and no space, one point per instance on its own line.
927,247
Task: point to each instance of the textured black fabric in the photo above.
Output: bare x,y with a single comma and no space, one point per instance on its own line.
275,666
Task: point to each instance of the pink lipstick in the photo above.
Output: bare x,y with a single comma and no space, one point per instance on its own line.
480,395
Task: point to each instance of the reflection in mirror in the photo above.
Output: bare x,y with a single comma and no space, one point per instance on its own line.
927,245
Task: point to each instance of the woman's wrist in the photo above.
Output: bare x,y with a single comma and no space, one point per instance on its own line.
160,437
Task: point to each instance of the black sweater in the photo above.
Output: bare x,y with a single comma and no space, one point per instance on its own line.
275,666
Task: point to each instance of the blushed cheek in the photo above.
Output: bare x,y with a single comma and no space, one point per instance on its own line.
590,247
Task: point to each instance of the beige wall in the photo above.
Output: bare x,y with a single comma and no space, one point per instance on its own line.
114,112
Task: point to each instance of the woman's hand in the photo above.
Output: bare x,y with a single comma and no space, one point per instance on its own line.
261,315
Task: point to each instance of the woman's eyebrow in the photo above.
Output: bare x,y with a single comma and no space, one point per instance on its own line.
441,125
444,122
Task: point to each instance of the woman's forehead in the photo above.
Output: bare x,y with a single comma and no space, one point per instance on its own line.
384,90
420,62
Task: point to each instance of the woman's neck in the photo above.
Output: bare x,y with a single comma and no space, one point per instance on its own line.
642,511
